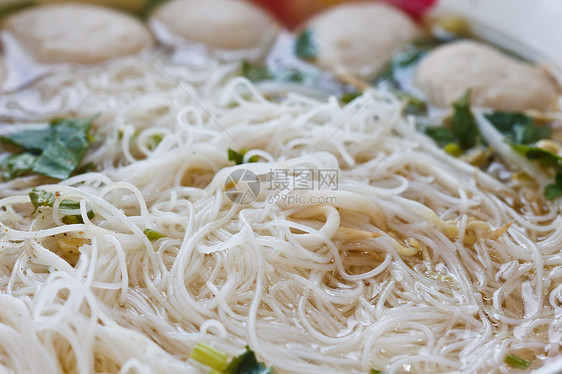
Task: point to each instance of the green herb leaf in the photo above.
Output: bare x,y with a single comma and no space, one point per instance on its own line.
375,371
58,149
516,362
405,59
77,218
41,198
209,356
441,135
153,235
247,363
305,48
348,97
414,105
518,127
254,73
464,124
544,157
17,165
238,157
553,191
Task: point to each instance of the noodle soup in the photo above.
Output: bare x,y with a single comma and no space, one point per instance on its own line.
194,205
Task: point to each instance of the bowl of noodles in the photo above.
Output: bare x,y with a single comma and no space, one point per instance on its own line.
189,186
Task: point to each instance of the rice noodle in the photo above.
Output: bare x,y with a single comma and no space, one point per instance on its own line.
284,273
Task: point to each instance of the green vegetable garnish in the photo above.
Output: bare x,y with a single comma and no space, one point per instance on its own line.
348,97
405,59
518,127
254,73
41,198
414,105
305,48
544,157
154,141
441,135
516,362
375,371
238,157
552,191
148,6
463,131
209,356
55,151
14,6
257,73
464,124
153,235
247,363
17,165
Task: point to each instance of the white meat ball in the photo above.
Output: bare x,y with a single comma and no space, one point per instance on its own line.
77,33
360,38
222,24
496,80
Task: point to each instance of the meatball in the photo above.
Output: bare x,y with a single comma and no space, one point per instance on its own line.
223,24
77,33
496,80
360,38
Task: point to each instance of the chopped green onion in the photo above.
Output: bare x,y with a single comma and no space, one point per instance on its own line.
253,72
348,97
41,198
453,149
153,235
209,356
517,362
238,157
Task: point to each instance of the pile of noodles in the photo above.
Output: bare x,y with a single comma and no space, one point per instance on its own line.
413,262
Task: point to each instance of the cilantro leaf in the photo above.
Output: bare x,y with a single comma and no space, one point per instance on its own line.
546,159
464,124
305,47
57,150
238,157
247,363
518,127
375,371
209,356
